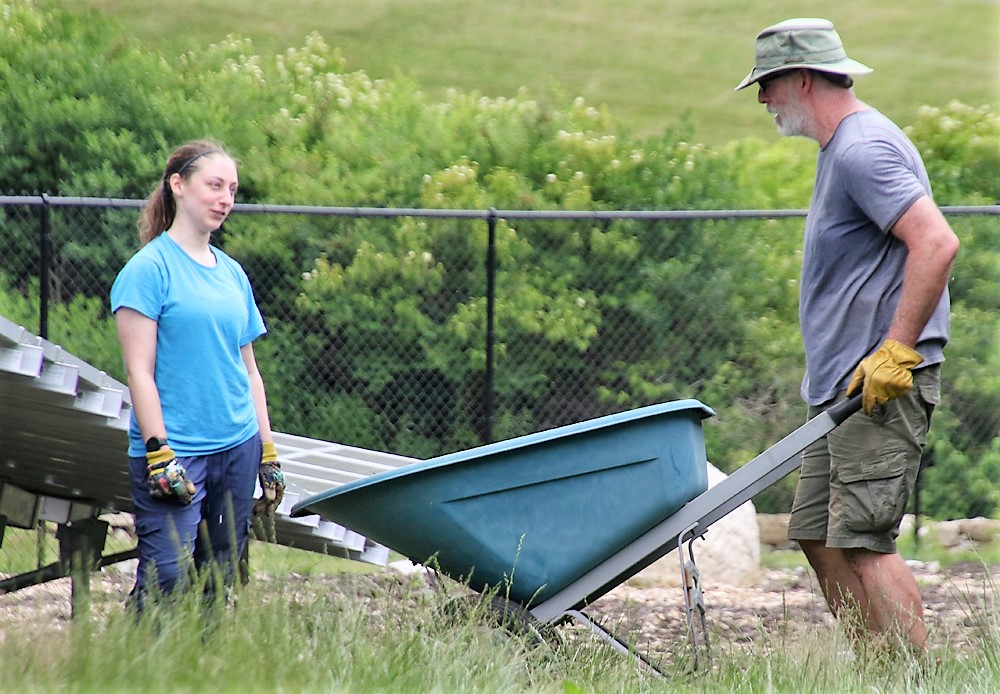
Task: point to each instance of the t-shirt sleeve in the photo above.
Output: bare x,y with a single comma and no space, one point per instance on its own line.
255,322
140,286
879,180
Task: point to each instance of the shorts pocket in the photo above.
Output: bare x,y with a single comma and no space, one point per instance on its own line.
877,491
930,392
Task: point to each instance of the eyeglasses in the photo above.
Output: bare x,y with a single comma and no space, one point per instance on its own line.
764,84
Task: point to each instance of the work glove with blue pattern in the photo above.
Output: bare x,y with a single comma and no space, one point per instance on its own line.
167,477
272,481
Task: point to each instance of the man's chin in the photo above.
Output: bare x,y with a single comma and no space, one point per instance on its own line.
787,129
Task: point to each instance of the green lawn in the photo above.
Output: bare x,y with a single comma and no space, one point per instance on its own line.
651,62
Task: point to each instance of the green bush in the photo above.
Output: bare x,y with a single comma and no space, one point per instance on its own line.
591,317
961,148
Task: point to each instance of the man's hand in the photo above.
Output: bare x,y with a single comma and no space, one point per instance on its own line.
884,375
167,477
272,481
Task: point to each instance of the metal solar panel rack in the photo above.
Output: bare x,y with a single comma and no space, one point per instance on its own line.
63,441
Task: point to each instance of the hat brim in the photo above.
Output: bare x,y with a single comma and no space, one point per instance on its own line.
846,66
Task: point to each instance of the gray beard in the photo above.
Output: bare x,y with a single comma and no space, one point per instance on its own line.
792,121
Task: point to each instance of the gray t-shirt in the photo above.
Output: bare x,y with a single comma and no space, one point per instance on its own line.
867,176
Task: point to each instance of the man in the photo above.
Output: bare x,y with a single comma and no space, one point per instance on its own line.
874,315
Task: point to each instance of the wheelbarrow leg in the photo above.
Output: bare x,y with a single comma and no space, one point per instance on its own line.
616,643
694,609
694,599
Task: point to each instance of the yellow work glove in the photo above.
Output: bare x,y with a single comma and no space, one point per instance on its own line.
272,481
884,375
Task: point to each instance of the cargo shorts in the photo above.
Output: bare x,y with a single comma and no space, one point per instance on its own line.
855,483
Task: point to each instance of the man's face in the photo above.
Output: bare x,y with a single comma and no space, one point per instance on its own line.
781,97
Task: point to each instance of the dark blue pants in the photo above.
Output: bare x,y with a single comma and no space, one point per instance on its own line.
174,539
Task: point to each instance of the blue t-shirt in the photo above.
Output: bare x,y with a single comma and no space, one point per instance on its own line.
204,316
867,177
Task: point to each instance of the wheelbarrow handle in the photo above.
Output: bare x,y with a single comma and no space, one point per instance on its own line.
842,410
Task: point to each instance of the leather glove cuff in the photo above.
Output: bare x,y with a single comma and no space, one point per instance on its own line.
904,356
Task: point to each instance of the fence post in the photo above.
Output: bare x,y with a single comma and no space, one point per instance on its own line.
491,270
44,260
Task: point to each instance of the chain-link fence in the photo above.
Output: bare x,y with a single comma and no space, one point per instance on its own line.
422,332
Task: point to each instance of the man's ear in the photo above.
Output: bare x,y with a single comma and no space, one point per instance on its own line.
804,79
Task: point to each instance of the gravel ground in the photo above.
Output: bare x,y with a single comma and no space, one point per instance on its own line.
652,618
789,601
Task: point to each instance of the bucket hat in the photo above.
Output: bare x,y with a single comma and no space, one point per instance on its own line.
801,43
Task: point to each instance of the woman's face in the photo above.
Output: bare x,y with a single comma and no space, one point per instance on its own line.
206,197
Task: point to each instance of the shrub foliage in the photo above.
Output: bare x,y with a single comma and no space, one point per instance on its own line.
85,111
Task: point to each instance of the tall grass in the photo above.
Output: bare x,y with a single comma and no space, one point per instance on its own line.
355,632
652,63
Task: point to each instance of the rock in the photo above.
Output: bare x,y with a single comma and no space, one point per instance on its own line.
407,568
907,524
122,520
980,529
773,529
729,553
948,533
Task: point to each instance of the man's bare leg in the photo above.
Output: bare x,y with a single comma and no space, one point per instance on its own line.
844,592
876,593
894,602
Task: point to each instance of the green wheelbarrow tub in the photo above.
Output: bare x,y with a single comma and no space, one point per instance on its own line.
530,515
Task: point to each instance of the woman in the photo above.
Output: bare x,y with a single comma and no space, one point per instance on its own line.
199,432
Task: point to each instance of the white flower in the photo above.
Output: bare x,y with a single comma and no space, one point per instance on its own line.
948,124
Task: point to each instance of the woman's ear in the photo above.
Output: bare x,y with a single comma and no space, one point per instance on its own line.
174,183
